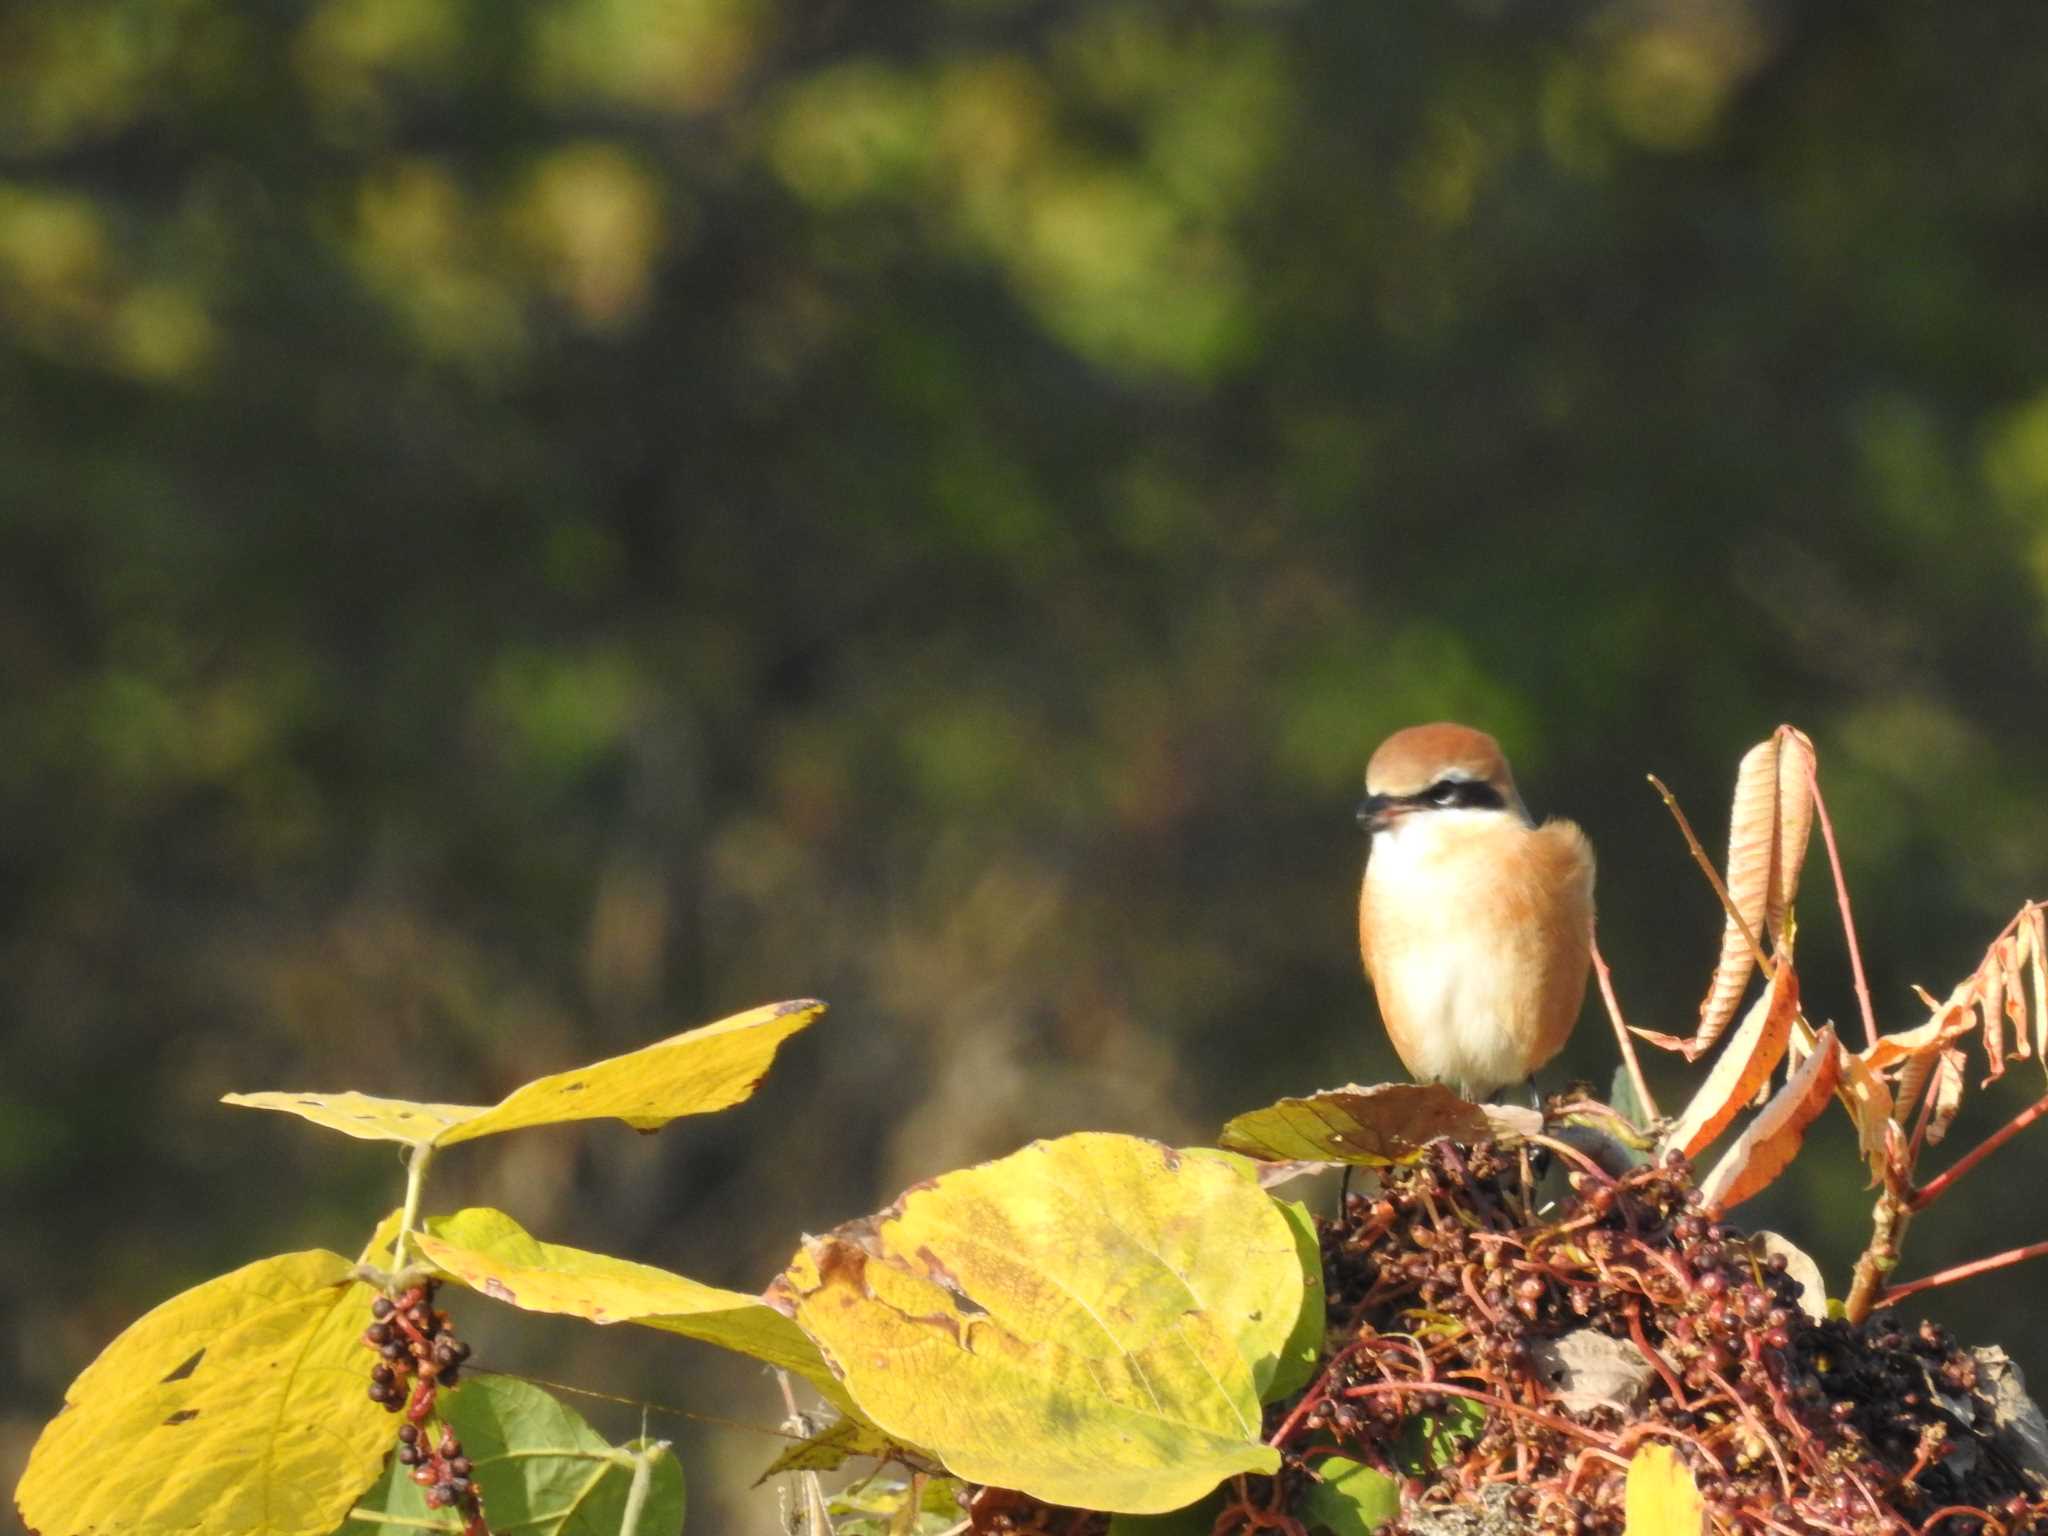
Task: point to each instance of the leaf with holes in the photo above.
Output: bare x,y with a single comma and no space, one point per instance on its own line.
542,1471
238,1408
1086,1320
1386,1123
694,1073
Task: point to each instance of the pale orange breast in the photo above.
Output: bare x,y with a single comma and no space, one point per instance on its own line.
1476,935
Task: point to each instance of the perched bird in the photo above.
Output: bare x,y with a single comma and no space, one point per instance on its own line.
1475,923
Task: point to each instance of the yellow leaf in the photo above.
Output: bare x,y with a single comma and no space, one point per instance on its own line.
1770,1141
488,1251
363,1115
694,1073
1083,1320
238,1408
1662,1499
1383,1124
1744,1066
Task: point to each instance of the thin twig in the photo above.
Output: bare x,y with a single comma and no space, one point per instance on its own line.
1714,878
1628,1045
1975,1267
1827,831
1934,1188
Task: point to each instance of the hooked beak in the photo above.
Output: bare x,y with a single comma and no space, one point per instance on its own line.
1377,812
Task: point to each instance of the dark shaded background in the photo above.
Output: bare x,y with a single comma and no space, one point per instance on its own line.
529,525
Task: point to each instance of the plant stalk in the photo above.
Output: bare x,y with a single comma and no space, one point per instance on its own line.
1934,1188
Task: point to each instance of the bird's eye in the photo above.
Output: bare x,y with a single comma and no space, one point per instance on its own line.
1445,792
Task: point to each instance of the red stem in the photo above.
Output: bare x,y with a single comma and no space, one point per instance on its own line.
1551,1421
2011,1256
1628,1046
1827,829
1933,1190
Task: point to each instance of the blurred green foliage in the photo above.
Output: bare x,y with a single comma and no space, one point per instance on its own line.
527,526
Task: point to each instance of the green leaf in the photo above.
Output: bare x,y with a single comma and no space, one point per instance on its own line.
1198,1519
1430,1440
542,1471
1351,1500
237,1408
879,1507
488,1251
1078,1320
694,1073
1296,1364
1376,1126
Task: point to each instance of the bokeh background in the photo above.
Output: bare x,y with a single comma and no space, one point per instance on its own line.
526,526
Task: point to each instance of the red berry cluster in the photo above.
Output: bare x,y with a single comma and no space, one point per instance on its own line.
417,1345
418,1354
440,1467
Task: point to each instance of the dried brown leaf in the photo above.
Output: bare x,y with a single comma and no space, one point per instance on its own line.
1752,844
1991,1003
1949,1020
1945,1089
2034,925
1870,1106
2015,949
1768,1143
1744,1066
1796,762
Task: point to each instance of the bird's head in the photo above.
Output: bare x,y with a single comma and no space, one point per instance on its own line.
1429,770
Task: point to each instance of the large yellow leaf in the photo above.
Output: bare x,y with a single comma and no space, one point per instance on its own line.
238,1408
490,1252
1084,1320
1385,1123
1662,1498
694,1073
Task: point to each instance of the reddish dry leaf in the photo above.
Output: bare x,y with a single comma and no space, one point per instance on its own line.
1744,1066
1768,828
1690,1049
1945,1091
1949,1020
1770,1141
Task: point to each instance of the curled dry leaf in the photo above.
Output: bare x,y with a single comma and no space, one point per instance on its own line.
1768,828
1745,1066
1870,1106
1945,1094
1770,1141
2034,932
